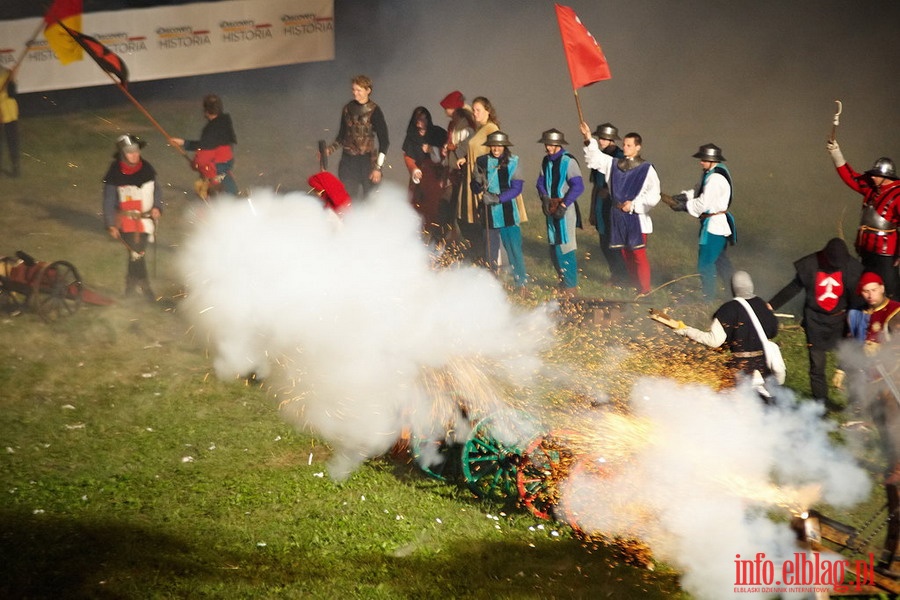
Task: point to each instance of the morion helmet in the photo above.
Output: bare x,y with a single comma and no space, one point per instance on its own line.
883,167
607,131
709,152
498,138
129,143
553,137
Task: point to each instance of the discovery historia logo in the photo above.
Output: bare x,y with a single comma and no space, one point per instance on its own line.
804,573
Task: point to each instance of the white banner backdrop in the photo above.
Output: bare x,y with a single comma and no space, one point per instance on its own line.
177,41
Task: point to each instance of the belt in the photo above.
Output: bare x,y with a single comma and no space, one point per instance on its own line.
747,354
134,214
877,231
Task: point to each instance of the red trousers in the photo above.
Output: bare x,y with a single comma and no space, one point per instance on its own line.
638,266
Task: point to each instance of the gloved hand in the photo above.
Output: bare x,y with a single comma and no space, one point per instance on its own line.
560,211
682,329
678,202
490,199
835,151
545,205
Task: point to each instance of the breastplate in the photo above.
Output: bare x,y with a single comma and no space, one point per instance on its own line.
871,218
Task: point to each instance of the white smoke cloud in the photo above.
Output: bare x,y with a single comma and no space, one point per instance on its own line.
360,337
700,482
348,320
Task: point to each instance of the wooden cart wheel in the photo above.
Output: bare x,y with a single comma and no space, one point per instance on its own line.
492,454
56,291
548,460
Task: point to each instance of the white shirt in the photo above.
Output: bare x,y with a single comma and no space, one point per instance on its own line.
714,199
646,199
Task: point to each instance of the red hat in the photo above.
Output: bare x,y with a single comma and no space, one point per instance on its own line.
867,278
331,190
453,101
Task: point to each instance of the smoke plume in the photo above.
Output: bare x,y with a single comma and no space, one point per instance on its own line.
348,321
360,337
702,477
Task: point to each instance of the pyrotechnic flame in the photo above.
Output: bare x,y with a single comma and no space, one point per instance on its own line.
794,499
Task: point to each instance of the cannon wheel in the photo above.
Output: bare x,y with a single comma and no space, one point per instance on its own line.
493,453
56,291
548,460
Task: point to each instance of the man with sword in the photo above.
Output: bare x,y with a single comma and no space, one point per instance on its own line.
132,205
876,239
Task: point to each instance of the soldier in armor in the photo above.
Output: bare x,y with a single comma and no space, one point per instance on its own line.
709,201
132,205
558,185
634,188
362,124
876,238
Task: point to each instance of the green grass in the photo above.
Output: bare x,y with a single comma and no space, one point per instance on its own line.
129,471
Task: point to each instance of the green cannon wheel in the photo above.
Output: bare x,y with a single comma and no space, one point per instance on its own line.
492,455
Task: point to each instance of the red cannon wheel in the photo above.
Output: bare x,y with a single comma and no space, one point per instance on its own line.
547,461
56,291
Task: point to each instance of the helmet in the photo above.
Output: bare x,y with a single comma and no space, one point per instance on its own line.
129,143
710,152
883,167
498,138
607,131
553,137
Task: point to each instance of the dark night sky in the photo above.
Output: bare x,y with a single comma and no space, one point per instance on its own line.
757,78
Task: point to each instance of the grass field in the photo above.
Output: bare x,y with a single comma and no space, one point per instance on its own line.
130,471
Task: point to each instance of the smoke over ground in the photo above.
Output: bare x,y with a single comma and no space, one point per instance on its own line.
360,337
703,472
348,320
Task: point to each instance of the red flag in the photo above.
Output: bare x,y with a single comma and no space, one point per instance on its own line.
63,13
587,64
108,60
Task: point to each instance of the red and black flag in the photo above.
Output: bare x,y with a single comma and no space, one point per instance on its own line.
108,60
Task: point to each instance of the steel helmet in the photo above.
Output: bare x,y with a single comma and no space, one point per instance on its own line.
129,143
710,152
883,167
553,137
498,138
607,131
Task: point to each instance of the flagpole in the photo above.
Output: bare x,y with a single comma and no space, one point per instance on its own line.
12,72
150,118
578,106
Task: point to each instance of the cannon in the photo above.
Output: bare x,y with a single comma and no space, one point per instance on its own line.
49,289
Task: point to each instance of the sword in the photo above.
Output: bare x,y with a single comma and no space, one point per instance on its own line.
837,119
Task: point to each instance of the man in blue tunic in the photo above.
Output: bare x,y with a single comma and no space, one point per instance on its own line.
558,185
